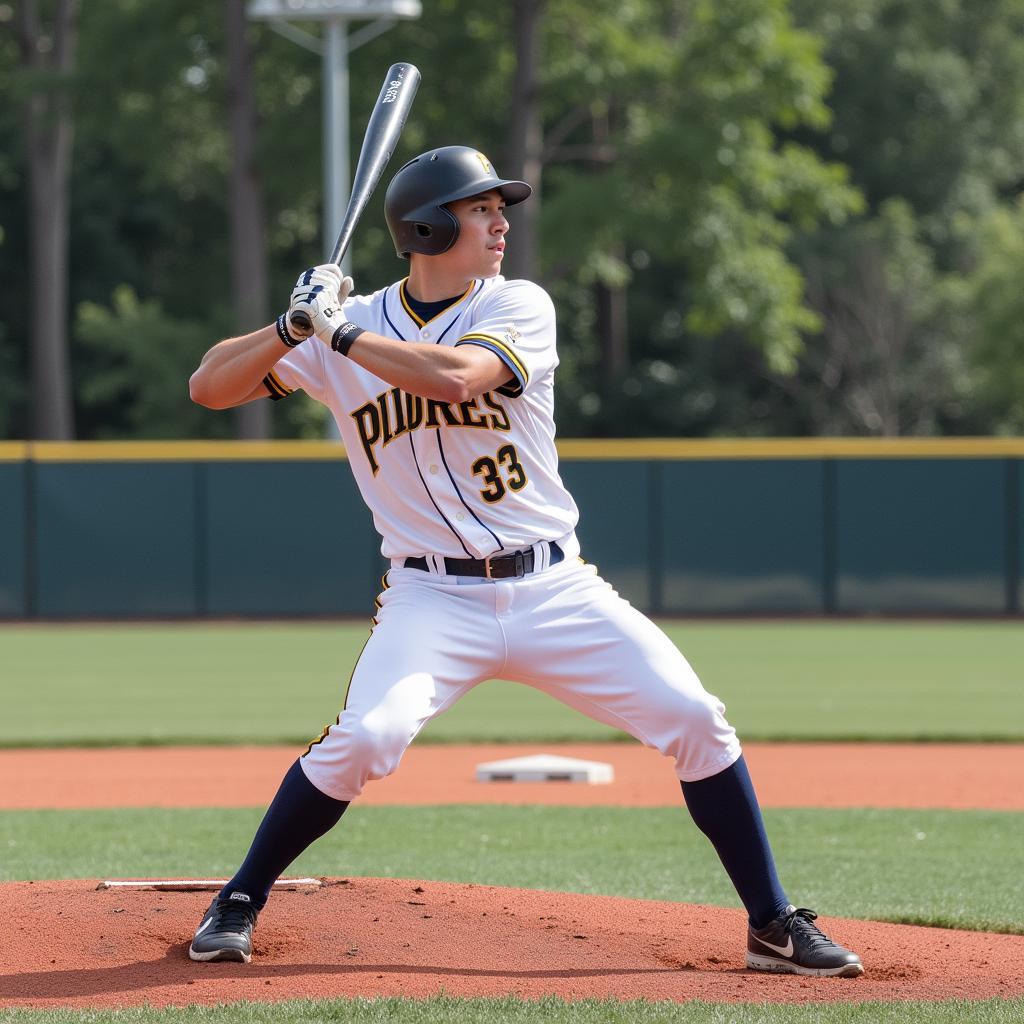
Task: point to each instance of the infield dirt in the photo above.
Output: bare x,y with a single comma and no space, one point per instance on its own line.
940,775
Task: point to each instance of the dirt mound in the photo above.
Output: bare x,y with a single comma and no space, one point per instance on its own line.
72,946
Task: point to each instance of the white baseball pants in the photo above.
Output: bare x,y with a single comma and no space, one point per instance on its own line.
563,630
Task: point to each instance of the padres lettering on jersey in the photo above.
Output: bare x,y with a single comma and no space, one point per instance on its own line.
455,479
394,412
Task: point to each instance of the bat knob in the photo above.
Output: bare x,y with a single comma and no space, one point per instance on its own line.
300,321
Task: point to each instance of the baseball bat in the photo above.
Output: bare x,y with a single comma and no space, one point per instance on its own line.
387,119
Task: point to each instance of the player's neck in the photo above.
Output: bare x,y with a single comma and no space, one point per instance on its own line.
432,284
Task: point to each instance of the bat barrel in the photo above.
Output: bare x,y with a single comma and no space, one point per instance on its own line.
387,119
383,129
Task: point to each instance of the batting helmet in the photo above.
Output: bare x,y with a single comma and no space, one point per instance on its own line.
415,202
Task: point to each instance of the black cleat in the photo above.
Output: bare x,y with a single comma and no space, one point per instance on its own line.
225,932
794,944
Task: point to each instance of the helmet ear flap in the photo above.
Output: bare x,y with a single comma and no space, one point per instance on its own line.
431,230
447,234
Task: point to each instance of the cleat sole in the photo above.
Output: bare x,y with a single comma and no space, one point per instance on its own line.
234,955
756,962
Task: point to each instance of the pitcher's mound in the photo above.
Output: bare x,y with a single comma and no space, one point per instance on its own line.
71,945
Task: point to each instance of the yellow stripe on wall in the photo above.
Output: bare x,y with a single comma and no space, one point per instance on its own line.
182,451
793,448
658,448
13,451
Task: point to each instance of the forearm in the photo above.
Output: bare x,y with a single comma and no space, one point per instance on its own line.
233,369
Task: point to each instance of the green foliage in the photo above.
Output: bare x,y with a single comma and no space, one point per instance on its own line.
705,156
13,361
672,85
700,187
10,391
890,357
928,99
918,301
141,360
996,297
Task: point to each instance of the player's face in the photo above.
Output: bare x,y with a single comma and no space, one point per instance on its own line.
480,247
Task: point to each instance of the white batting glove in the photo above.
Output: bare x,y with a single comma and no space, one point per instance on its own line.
317,298
320,293
331,327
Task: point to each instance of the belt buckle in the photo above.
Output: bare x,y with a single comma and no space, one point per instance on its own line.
518,561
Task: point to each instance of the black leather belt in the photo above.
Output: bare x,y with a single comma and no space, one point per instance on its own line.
501,567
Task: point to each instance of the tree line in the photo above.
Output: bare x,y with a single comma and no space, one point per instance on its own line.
756,217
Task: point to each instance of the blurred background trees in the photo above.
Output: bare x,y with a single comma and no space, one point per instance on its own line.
756,217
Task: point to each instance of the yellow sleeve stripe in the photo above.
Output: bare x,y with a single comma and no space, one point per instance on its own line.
276,394
499,348
277,388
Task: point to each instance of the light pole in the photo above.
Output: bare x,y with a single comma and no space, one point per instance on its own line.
334,49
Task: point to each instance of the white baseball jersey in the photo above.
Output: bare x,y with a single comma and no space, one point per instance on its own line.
467,479
471,480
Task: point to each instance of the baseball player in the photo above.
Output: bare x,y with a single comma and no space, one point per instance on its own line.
441,385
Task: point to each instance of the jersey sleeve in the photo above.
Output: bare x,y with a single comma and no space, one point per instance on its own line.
517,324
300,367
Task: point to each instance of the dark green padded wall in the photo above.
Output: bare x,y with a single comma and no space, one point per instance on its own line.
287,538
139,539
742,535
921,535
115,539
13,539
615,517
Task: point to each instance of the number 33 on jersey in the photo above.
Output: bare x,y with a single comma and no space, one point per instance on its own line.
461,480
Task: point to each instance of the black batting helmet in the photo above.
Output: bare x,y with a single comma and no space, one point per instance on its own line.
414,205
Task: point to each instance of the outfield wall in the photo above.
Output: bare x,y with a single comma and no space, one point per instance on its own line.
804,526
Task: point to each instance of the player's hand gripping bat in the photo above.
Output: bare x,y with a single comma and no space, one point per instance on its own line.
382,131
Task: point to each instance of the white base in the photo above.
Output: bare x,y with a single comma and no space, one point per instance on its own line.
545,768
202,884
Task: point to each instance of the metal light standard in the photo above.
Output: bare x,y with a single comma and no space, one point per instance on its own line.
334,49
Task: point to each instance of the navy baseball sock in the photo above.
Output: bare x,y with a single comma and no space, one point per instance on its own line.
724,807
298,816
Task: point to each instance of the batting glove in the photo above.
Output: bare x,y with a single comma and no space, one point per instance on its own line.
335,331
318,295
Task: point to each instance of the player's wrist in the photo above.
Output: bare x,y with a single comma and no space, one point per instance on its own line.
343,335
284,332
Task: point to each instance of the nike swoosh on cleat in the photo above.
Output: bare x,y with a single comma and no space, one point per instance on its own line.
206,924
786,950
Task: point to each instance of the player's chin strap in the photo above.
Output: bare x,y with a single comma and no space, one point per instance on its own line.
494,567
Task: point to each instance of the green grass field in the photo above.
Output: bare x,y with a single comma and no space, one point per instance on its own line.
265,683
946,868
444,1010
233,683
